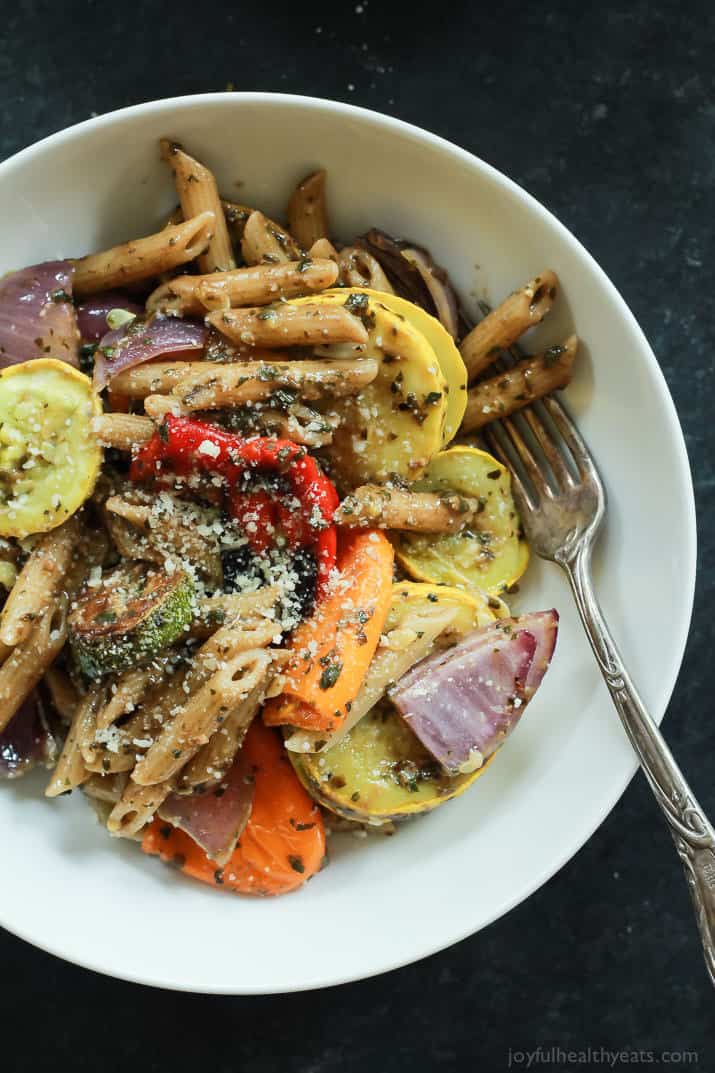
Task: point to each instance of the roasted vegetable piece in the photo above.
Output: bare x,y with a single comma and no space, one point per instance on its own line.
463,703
396,423
448,357
215,816
26,740
283,843
49,456
379,772
129,617
420,618
331,651
37,318
490,553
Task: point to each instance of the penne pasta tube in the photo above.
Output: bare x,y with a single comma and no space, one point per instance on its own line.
107,788
323,248
38,581
204,385
136,808
516,387
264,241
307,324
216,611
307,210
123,431
27,662
197,190
204,711
213,760
143,257
127,691
299,423
501,328
213,388
70,770
395,508
358,268
254,286
63,693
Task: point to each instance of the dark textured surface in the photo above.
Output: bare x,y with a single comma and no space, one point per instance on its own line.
605,113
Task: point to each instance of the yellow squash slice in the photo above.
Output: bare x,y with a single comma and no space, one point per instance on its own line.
450,360
396,423
490,554
49,457
378,771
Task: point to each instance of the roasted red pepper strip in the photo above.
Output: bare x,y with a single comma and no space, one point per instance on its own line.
188,446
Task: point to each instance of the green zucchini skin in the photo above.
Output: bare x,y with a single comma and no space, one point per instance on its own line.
134,614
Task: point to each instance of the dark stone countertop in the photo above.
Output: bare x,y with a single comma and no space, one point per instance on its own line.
606,114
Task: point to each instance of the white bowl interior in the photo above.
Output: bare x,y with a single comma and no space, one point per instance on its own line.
381,903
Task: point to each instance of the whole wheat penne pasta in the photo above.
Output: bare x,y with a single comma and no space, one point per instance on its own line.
307,324
38,581
143,257
323,248
212,386
108,751
299,423
358,268
197,190
175,535
205,710
70,770
216,611
263,284
511,390
136,808
63,693
502,327
27,662
239,383
254,286
307,210
127,691
213,760
107,788
395,508
264,241
123,431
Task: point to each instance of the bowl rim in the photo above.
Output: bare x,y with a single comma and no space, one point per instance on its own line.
417,134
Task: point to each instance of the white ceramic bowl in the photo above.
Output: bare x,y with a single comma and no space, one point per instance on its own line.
382,903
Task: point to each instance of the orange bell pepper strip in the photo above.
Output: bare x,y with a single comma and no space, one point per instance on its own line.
330,652
283,843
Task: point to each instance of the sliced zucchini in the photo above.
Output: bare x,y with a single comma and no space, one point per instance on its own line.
396,423
490,554
129,617
379,772
49,457
450,360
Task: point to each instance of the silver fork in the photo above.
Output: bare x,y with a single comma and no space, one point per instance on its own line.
562,502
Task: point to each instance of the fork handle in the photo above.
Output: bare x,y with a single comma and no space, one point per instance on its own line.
692,833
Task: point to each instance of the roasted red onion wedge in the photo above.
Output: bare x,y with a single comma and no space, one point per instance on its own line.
216,818
144,340
92,314
37,318
26,740
463,703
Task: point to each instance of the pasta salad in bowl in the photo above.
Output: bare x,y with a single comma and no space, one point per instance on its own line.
255,557
265,601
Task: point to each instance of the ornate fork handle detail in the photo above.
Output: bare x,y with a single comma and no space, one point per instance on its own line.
693,835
